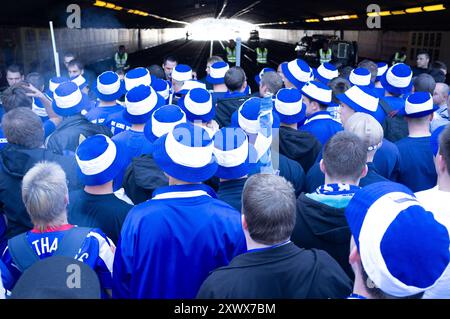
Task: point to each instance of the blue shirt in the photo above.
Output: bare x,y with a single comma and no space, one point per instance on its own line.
99,114
322,126
170,243
387,160
134,144
417,170
117,123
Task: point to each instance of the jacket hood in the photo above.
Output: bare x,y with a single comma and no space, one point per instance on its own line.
17,160
324,221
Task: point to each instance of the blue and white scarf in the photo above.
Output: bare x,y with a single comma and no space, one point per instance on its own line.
337,189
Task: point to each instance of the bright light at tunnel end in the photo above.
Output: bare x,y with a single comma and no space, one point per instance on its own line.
220,29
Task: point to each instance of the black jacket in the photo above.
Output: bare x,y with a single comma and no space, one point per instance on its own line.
323,227
15,161
300,146
231,192
71,132
227,106
285,272
291,171
141,178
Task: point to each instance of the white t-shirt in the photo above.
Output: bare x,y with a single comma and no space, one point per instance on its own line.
437,202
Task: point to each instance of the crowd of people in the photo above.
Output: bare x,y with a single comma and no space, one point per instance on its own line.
324,183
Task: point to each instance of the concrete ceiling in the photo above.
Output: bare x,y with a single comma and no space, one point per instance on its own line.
294,12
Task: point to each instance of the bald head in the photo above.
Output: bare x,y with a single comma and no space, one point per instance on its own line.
440,94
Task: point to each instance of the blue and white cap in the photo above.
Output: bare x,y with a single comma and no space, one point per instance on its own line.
397,79
80,81
259,76
404,249
231,149
419,104
326,72
318,91
217,72
141,102
297,72
186,153
360,99
136,77
54,82
289,106
109,87
382,68
161,87
247,116
190,85
163,121
69,100
38,108
198,105
360,77
99,160
182,72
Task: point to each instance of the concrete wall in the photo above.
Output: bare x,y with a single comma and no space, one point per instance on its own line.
291,36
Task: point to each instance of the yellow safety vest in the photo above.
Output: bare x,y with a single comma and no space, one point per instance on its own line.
261,55
399,59
325,56
231,55
121,62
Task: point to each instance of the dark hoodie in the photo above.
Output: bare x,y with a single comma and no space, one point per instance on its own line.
324,227
286,272
71,132
300,146
15,161
142,177
226,107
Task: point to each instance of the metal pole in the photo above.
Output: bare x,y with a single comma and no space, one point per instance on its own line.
238,51
55,53
211,49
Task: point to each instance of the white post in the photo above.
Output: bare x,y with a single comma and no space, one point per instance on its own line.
238,51
55,53
211,49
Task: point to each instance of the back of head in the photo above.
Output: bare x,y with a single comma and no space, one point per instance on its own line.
367,128
444,147
36,79
235,78
273,81
372,67
345,156
345,72
22,127
213,59
424,83
268,204
44,193
16,96
156,71
339,85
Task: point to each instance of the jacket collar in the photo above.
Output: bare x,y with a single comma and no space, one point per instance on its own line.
183,191
321,115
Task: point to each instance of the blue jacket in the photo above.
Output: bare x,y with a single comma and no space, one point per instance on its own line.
322,126
170,243
387,160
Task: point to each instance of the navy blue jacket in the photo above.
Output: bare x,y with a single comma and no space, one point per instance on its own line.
231,192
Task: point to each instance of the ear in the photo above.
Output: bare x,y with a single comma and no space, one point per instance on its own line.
244,222
66,199
431,116
364,171
354,256
322,167
441,166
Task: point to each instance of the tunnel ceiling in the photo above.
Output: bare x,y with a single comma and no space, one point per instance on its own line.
293,13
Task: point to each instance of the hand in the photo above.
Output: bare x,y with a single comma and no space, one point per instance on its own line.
32,91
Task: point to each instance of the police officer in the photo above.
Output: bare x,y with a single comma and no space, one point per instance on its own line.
399,56
121,58
231,52
325,53
261,54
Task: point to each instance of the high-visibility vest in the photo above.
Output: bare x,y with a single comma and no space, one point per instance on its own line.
325,56
231,55
261,55
121,61
399,58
